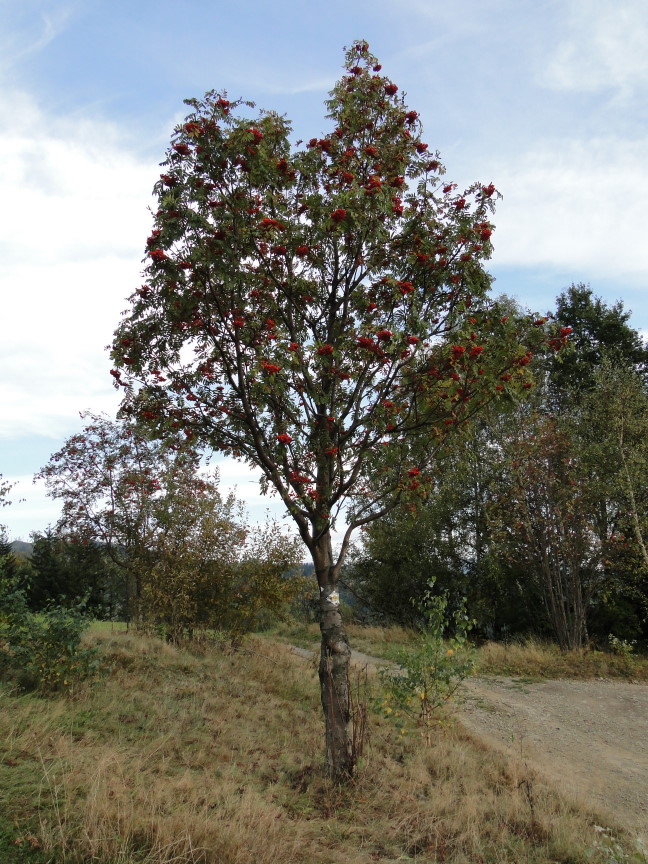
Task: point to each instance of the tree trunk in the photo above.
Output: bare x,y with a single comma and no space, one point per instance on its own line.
335,659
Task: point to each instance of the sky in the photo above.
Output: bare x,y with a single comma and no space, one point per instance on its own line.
547,99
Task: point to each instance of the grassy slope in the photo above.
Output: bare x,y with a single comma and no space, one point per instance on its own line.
174,757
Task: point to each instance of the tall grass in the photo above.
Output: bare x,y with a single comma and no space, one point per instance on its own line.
528,658
544,660
216,759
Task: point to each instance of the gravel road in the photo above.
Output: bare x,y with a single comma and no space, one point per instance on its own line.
589,737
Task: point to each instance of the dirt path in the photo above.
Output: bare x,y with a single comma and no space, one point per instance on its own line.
589,737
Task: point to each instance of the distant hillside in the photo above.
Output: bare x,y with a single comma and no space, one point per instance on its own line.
22,549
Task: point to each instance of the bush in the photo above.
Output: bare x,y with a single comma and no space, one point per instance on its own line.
430,673
43,651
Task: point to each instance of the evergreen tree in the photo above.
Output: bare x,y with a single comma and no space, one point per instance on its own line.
65,569
8,564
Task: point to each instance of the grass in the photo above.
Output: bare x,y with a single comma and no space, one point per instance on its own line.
536,659
372,640
176,757
531,658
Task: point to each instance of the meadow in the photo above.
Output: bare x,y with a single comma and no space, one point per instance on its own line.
205,756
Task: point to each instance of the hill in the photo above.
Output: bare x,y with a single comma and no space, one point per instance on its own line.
215,758
22,549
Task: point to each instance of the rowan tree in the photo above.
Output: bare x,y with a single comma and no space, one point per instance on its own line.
318,311
5,488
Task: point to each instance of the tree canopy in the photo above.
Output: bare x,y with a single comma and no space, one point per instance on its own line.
312,311
599,331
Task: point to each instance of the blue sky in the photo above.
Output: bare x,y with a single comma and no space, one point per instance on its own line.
548,100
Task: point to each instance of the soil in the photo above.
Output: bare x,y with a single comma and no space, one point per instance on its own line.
588,737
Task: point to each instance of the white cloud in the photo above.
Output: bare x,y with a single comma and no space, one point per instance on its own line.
573,204
30,510
604,46
76,220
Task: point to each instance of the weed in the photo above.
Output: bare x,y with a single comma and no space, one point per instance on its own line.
43,652
611,850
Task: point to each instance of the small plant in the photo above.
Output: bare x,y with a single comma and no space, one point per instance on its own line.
621,647
43,651
429,675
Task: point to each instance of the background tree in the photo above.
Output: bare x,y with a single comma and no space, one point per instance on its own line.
64,571
545,513
192,555
187,559
613,428
566,477
264,583
601,387
316,313
8,563
599,428
448,539
109,479
214,571
597,331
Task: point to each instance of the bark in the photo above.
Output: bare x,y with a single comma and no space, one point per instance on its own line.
335,659
634,514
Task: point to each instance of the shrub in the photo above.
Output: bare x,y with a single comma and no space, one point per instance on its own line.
43,651
429,674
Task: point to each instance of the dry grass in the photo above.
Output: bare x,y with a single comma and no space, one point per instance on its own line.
544,660
216,759
370,639
531,658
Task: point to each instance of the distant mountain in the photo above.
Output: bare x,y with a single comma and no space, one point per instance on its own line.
22,549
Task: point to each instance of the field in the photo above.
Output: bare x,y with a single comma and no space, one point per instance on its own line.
213,757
